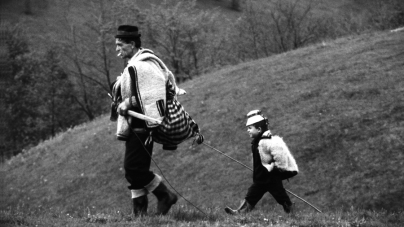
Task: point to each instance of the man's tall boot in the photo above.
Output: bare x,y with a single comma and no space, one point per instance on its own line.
140,205
288,207
165,198
243,208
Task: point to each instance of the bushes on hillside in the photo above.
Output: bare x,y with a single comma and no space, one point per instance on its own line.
181,34
379,15
38,100
271,27
275,27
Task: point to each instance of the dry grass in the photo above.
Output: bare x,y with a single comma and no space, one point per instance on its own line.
188,217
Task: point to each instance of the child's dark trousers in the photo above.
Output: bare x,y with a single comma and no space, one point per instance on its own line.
275,187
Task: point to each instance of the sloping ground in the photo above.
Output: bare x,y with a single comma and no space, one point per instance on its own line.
339,106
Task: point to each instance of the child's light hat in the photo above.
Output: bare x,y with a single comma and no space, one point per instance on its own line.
254,116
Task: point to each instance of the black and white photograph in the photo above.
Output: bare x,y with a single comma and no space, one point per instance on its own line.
176,113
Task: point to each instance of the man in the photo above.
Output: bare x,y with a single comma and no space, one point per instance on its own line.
142,88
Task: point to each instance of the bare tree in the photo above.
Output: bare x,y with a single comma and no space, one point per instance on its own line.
293,23
236,4
28,7
87,52
253,28
275,26
179,33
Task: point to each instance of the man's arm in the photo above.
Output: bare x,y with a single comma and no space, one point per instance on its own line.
126,105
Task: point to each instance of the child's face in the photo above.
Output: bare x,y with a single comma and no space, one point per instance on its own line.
253,131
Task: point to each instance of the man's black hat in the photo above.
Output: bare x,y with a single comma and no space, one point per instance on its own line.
127,31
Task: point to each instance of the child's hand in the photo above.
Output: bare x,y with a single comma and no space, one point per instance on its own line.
269,167
266,134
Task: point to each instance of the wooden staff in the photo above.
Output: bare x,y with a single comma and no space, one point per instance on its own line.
144,117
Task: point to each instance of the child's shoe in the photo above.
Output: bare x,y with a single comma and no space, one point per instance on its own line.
243,208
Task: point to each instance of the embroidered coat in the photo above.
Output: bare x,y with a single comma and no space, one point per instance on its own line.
143,82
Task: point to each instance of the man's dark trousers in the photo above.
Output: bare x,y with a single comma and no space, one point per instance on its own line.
137,161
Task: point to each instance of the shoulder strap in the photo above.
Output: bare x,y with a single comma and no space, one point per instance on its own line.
134,87
266,137
135,92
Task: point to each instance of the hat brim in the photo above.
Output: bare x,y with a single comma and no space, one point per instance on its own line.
254,119
126,36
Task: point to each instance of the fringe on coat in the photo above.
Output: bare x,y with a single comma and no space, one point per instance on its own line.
151,76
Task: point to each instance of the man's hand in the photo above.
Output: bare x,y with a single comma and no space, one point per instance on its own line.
124,107
181,91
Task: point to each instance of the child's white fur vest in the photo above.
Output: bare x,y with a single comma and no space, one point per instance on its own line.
274,152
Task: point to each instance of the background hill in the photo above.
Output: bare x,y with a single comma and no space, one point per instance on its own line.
70,44
339,106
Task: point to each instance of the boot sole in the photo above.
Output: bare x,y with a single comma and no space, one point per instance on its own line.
169,204
230,211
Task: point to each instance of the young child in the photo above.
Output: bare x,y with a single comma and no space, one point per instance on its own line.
272,163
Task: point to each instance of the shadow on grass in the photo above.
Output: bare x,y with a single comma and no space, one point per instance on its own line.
181,214
193,214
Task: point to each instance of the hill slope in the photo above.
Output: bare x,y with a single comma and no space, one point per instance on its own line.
338,105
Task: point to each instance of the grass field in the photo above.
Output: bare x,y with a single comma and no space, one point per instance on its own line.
186,216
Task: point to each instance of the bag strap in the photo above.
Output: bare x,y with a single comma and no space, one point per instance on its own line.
135,92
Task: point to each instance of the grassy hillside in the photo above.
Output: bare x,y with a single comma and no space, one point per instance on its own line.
187,217
339,106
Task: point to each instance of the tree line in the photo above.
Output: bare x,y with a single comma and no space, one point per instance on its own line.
65,82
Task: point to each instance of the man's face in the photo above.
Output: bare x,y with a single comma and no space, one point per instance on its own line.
125,50
253,131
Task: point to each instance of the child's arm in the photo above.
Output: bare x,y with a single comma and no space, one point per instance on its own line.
266,157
